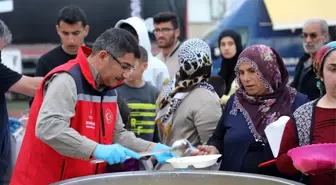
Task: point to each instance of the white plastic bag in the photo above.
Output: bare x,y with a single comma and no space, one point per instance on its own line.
17,138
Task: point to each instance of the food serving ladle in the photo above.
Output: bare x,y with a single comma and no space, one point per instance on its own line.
181,147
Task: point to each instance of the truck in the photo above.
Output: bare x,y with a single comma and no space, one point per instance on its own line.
260,22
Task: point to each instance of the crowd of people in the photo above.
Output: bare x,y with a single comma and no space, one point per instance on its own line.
115,99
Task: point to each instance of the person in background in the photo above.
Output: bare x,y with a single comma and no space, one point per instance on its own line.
230,45
125,112
141,98
10,81
156,72
261,99
234,88
75,118
189,107
218,83
167,31
72,28
315,35
314,122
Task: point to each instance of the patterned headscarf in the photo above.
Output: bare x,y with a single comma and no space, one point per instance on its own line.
259,111
319,59
195,68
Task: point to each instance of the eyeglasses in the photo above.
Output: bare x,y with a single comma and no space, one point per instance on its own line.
163,30
124,66
311,35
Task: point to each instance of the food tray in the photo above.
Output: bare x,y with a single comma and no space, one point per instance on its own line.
200,161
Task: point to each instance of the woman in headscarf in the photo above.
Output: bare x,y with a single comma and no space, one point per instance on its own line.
189,107
315,121
230,45
261,99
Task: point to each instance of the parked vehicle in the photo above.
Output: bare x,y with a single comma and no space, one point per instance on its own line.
252,20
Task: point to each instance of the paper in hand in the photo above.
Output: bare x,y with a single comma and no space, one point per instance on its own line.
274,132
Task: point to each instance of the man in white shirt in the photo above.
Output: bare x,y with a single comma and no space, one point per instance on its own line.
156,72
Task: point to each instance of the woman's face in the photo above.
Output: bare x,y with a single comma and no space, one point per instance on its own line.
228,47
329,74
250,80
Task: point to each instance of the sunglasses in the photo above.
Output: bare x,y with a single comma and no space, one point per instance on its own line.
311,35
124,66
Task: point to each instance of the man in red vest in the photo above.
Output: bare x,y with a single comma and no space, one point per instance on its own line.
74,117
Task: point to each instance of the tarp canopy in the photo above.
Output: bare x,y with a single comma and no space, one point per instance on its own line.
292,14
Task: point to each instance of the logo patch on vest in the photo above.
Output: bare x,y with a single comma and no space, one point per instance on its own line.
108,116
90,124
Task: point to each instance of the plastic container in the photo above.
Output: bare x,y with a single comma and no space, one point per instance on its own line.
201,161
314,159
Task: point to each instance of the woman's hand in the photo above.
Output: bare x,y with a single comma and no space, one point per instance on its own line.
205,150
301,171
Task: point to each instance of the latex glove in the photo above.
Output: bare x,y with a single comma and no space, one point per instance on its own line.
13,125
162,158
113,154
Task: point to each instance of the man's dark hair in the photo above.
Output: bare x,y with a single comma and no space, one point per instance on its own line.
71,15
166,17
129,28
144,54
117,42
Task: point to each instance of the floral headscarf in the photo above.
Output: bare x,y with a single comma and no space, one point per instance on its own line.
195,69
259,111
319,59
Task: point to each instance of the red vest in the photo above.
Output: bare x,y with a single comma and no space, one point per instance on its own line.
95,118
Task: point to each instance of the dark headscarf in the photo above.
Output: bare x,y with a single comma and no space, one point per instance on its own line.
319,60
227,66
259,111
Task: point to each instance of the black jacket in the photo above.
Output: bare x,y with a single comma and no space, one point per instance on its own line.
307,85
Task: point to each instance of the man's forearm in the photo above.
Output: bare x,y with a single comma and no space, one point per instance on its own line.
27,85
128,138
67,142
